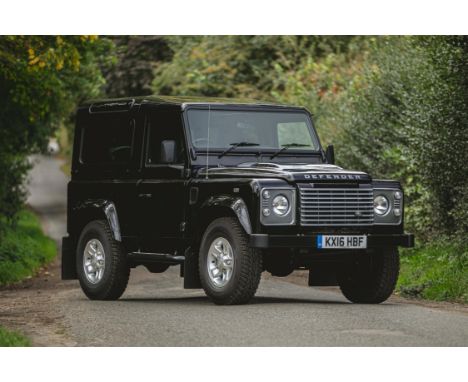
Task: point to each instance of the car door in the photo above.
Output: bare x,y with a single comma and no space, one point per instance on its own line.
161,191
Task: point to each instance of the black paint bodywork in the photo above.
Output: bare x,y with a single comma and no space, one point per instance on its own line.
164,209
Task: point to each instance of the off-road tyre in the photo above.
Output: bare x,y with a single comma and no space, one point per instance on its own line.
371,282
116,272
247,267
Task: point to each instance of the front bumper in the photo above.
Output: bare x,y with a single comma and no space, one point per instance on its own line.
309,241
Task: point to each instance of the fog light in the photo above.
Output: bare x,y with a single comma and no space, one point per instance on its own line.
266,212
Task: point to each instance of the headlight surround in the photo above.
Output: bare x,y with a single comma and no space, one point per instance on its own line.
388,206
280,205
381,205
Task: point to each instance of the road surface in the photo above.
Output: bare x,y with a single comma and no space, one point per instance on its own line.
156,311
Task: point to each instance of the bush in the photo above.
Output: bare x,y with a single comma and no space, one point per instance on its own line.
24,249
406,117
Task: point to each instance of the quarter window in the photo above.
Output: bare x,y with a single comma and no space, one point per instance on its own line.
107,141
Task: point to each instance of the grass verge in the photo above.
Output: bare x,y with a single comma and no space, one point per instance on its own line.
24,248
437,271
8,338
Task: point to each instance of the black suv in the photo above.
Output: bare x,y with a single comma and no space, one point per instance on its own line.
226,189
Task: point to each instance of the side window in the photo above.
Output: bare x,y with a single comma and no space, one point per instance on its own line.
107,140
163,126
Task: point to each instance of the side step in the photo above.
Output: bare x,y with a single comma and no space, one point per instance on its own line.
146,257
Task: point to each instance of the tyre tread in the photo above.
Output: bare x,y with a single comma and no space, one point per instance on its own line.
120,272
250,271
379,286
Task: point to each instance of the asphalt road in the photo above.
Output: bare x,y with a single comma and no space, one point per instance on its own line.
156,311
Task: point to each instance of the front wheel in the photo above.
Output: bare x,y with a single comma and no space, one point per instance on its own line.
371,282
230,270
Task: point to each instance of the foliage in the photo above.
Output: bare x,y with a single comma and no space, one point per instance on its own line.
137,58
234,66
438,271
8,338
406,117
42,78
24,249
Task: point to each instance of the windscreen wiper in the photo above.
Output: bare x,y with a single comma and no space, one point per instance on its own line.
236,145
287,146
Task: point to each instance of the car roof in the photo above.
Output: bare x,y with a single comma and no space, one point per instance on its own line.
122,104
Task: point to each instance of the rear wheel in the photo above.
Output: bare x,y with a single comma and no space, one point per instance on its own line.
371,282
230,270
101,263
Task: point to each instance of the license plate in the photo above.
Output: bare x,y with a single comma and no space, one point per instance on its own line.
341,241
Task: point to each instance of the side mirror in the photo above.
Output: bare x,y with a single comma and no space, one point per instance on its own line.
168,151
330,154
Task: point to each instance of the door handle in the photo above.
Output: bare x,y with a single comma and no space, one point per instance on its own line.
147,196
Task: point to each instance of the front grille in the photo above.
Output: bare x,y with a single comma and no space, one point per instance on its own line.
336,206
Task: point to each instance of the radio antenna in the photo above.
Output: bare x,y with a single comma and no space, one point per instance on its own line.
208,142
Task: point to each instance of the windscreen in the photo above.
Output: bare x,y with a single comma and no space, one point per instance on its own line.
262,129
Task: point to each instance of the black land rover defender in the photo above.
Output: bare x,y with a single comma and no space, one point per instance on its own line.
226,189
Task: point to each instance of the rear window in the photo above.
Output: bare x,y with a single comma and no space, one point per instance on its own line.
107,142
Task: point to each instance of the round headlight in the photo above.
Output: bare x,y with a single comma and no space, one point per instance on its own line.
280,205
381,205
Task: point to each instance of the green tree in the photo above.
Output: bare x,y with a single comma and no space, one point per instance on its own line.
406,116
137,58
42,78
236,66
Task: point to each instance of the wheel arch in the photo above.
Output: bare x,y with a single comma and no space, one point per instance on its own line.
212,208
224,205
96,209
81,215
